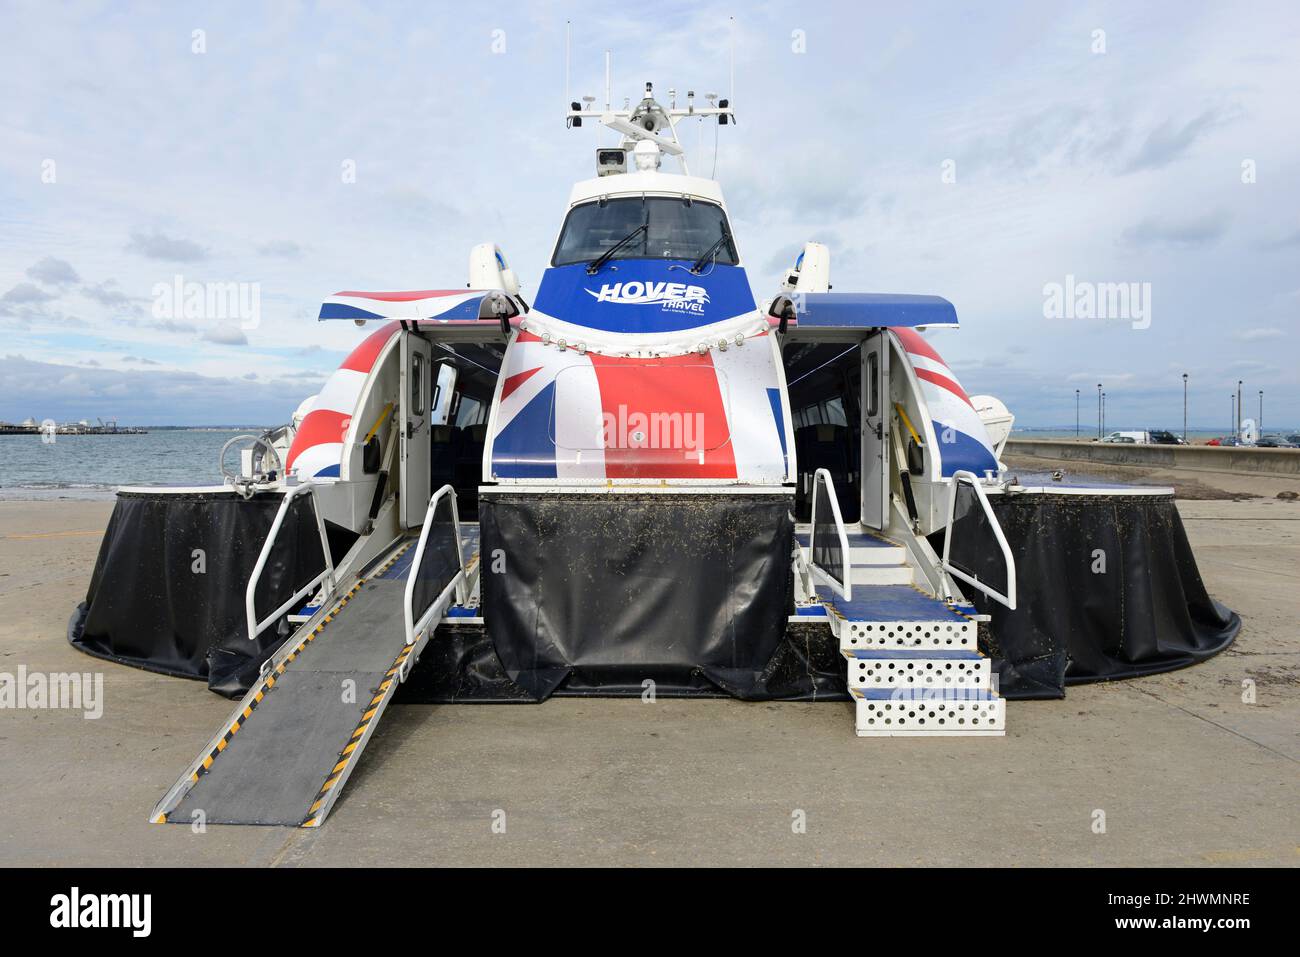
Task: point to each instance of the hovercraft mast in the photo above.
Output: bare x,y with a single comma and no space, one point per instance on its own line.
649,129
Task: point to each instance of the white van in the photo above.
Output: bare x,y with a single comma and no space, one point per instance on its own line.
1129,438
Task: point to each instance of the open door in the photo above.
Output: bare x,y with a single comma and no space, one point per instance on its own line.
417,415
875,430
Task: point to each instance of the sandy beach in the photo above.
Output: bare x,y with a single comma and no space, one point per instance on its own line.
1186,772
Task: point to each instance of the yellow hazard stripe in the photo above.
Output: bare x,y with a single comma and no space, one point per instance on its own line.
902,414
350,749
378,422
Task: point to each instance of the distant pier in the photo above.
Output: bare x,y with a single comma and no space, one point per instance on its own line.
70,428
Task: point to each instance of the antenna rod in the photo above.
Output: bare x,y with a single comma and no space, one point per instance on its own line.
568,29
733,57
608,66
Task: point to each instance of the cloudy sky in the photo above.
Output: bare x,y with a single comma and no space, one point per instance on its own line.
976,151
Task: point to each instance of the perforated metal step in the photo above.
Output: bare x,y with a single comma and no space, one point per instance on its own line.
883,668
902,712
897,616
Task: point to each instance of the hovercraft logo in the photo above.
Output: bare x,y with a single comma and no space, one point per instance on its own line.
672,296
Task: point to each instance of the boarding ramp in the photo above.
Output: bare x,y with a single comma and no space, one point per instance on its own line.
286,752
913,662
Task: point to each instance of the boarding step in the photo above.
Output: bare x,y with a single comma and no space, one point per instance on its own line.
897,617
309,609
900,712
886,668
864,549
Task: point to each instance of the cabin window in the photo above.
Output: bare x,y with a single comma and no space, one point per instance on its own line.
675,230
470,412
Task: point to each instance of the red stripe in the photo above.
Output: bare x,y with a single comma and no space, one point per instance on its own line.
362,358
326,425
525,336
912,342
515,381
319,426
685,387
408,296
943,382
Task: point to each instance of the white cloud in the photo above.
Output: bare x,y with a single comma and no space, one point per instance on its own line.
1254,335
155,245
26,293
53,272
842,144
226,334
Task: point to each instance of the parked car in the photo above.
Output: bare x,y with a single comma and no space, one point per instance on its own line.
1130,438
1165,437
1271,440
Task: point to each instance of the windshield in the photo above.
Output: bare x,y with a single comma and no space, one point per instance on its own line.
675,230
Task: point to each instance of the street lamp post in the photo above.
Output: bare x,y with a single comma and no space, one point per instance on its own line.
1259,423
1238,409
1233,421
1103,413
1184,408
1076,414
1098,411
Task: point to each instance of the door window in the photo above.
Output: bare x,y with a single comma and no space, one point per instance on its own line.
418,404
873,383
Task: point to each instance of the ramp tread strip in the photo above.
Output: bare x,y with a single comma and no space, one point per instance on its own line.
269,682
912,585
858,539
312,818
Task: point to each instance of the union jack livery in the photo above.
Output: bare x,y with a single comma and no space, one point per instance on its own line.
647,478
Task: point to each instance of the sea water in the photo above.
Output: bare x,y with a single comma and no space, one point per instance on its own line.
93,466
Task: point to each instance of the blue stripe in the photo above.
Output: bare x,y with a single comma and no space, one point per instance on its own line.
338,310
329,471
869,310
523,449
923,695
468,309
890,603
774,398
957,450
913,654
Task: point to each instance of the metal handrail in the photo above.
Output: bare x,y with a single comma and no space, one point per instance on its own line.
1009,599
414,628
846,587
256,626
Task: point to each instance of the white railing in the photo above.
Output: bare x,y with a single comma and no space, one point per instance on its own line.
845,585
1009,599
417,628
256,626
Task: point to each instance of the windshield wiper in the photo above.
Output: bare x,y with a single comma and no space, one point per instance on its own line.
593,267
711,251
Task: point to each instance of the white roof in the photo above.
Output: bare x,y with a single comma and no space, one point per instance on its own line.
653,182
